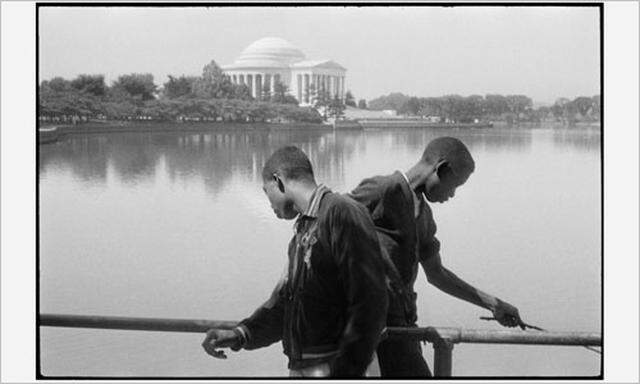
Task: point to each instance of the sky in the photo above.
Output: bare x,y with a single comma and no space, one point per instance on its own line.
542,52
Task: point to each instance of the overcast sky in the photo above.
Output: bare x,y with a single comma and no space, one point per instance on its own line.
543,52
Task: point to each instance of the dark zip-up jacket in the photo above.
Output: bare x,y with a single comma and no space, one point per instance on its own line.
332,306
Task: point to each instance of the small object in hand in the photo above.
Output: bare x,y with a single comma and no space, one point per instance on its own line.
521,323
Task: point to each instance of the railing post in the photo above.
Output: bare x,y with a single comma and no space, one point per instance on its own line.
443,350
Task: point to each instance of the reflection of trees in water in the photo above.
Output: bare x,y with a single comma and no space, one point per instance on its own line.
495,139
214,157
474,138
134,156
579,139
85,156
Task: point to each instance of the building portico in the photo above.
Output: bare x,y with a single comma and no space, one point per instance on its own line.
271,60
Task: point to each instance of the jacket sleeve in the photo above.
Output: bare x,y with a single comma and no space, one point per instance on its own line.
265,326
368,193
354,244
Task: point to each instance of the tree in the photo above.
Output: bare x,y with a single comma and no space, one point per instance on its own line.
213,84
212,72
559,108
476,106
450,107
281,94
392,101
518,103
495,105
349,99
467,109
432,106
136,85
411,106
57,84
179,86
362,104
583,105
322,101
92,84
336,107
242,92
595,110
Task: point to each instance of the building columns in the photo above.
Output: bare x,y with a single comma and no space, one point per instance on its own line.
306,88
272,84
265,84
259,80
262,83
251,84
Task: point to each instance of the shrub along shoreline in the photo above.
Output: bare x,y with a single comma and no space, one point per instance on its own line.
56,110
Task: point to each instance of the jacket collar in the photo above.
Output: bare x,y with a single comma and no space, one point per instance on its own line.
314,203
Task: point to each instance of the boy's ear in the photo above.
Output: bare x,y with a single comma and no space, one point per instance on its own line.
279,182
443,170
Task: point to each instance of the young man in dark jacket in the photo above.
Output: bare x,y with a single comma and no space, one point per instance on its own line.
330,309
399,207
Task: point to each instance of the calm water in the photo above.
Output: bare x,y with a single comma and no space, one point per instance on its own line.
176,225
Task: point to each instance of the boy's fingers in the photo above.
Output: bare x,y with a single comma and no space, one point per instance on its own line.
214,352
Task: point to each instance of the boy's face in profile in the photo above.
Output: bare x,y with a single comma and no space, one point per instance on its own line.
280,204
442,184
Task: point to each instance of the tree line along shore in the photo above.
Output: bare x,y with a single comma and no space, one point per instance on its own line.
212,97
510,109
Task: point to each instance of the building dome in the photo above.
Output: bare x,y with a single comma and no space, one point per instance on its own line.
269,52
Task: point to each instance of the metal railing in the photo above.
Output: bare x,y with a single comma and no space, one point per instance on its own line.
442,338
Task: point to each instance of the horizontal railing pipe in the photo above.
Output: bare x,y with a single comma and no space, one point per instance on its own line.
442,338
133,323
460,335
430,334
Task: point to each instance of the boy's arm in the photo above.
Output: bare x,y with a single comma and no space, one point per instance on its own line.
447,281
262,328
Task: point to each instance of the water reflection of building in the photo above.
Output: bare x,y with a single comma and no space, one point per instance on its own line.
270,60
214,157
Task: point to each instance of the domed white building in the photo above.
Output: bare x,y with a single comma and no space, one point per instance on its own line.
271,59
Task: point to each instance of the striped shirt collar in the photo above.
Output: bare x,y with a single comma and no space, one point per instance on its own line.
422,195
314,203
417,200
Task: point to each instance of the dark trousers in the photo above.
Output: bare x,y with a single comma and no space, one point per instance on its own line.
402,358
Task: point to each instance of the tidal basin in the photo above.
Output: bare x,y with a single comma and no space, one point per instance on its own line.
175,225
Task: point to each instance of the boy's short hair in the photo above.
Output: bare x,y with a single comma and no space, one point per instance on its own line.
453,151
288,162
